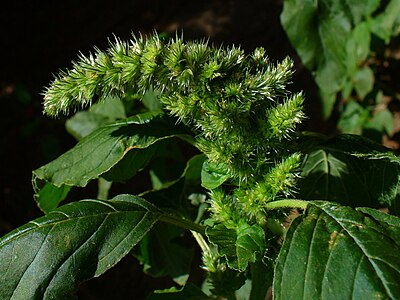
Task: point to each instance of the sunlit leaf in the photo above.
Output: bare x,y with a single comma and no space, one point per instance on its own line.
47,258
98,152
335,252
212,175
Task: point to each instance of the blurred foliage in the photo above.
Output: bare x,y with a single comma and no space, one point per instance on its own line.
352,51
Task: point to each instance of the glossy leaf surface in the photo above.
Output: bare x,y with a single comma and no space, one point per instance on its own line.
98,152
48,257
212,175
351,170
336,252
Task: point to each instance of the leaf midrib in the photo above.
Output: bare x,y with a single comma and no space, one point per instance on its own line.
370,260
50,223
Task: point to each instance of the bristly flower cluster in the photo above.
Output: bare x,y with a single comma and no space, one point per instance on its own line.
237,104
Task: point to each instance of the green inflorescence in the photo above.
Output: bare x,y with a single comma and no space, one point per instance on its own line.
237,104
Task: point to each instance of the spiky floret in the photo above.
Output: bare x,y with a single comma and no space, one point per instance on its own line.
237,104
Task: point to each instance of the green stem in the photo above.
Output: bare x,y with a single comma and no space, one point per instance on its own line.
293,203
181,222
202,243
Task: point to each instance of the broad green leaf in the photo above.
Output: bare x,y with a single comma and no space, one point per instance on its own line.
319,32
391,223
188,292
239,246
364,81
335,252
212,175
351,170
382,121
362,40
357,49
99,114
353,118
169,196
162,255
50,196
47,258
387,23
98,152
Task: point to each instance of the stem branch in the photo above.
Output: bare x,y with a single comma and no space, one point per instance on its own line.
181,222
293,203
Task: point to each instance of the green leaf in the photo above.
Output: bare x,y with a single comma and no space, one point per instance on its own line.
357,49
239,246
151,100
162,254
99,114
49,196
335,252
353,118
244,292
382,121
47,258
328,103
322,34
387,23
363,81
391,223
193,169
261,279
103,188
83,123
213,175
188,292
98,152
362,39
134,161
319,31
351,170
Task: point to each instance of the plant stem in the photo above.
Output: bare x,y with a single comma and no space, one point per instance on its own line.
202,243
181,222
293,203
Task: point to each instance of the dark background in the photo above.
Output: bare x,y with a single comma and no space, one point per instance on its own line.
41,37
